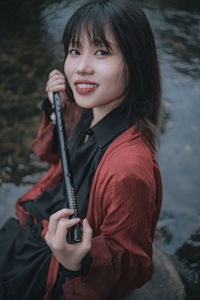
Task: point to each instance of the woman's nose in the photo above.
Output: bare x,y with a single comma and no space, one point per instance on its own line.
85,66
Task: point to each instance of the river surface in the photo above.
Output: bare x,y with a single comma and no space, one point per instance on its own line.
30,35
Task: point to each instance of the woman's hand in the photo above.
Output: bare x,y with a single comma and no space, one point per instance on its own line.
56,83
69,255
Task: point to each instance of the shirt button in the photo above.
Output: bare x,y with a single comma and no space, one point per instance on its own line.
90,132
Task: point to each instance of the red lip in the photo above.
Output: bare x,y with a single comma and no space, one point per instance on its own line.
84,81
85,90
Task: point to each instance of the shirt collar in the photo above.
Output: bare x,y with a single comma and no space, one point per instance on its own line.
108,128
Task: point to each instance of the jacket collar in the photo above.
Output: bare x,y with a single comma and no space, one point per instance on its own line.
111,126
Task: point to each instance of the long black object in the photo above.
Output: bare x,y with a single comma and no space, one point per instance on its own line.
75,233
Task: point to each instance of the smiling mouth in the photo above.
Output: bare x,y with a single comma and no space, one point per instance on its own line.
85,88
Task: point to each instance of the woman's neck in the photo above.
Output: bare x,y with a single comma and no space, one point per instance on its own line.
101,111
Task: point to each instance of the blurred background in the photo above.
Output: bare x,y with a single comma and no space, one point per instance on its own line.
30,38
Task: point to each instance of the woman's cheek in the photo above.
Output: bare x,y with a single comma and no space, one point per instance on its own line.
67,67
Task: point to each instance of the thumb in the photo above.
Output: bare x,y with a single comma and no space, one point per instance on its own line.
50,96
87,234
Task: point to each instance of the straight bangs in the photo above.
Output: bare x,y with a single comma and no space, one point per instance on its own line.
90,20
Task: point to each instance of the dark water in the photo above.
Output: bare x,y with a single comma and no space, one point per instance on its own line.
30,35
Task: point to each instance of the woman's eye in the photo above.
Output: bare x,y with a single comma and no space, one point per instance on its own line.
102,52
74,52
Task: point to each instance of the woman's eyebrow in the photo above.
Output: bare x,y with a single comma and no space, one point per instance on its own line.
100,43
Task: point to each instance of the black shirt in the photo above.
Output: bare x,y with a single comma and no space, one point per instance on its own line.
85,158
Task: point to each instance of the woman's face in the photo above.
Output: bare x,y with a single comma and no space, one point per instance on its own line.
97,76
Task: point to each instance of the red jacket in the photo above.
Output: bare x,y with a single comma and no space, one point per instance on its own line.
124,207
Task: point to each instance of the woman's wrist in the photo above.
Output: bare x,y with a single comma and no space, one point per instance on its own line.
70,263
83,271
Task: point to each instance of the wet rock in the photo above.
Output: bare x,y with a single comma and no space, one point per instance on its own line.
189,265
190,252
165,284
9,193
7,147
162,234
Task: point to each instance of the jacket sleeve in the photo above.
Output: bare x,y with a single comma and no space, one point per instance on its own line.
43,144
122,249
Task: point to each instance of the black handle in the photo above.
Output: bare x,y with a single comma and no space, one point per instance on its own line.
75,233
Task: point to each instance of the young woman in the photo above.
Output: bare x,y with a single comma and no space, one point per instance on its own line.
110,94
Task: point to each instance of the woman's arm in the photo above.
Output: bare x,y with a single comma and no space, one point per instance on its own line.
123,224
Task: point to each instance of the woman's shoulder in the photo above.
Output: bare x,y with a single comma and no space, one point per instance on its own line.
130,147
129,156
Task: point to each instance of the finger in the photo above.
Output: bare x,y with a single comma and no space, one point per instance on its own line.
63,95
54,83
60,242
50,96
56,76
55,86
87,234
53,221
63,226
54,72
55,79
